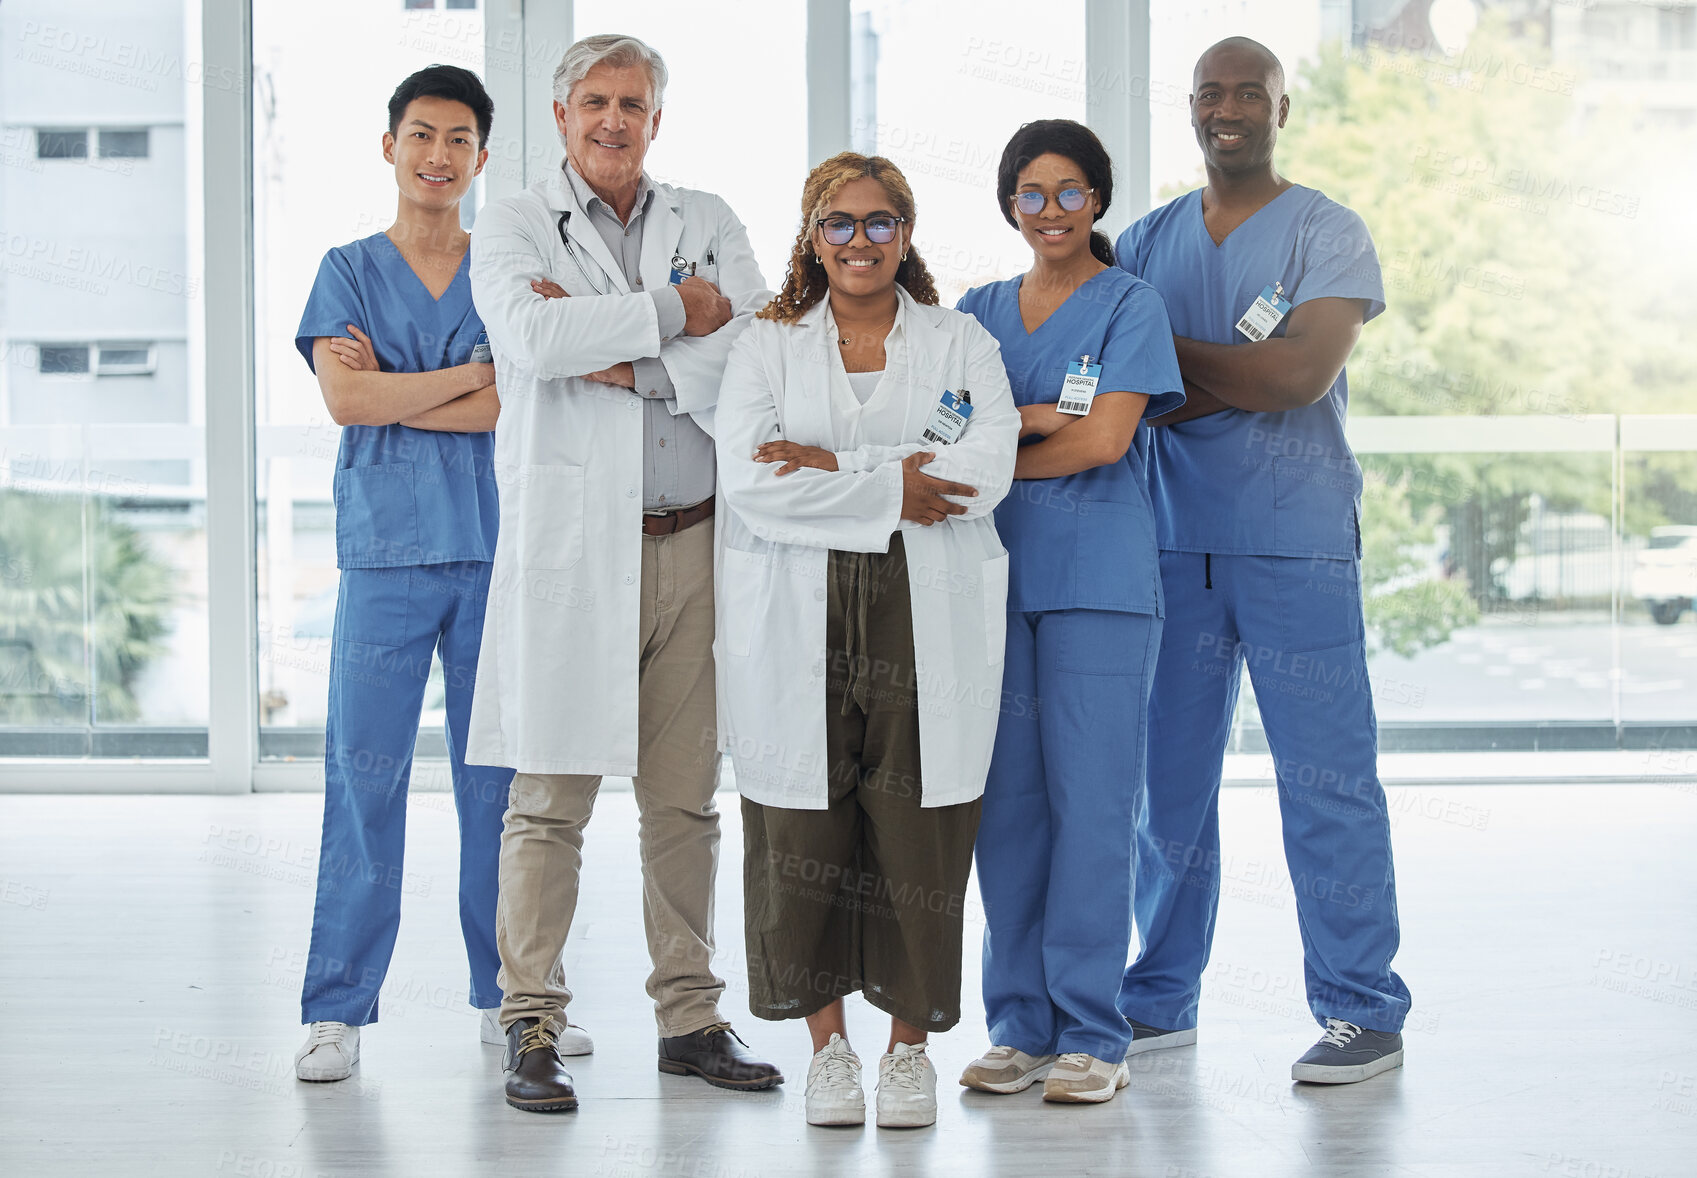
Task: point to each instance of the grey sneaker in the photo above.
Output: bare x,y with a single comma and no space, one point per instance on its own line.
1078,1078
1006,1069
1347,1053
1147,1038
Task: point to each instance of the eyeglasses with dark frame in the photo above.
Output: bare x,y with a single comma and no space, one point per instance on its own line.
880,228
1070,199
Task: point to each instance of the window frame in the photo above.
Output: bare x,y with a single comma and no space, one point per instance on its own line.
145,367
87,144
85,374
99,135
1117,50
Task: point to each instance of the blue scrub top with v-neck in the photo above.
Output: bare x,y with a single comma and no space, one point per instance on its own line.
1256,484
404,496
1085,540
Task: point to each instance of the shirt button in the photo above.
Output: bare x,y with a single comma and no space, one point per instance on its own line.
662,441
629,578
630,492
662,498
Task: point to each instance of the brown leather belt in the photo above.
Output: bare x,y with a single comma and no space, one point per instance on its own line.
676,521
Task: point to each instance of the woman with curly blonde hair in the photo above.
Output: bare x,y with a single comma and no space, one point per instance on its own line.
865,434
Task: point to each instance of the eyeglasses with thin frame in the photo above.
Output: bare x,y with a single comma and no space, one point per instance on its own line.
880,228
1070,199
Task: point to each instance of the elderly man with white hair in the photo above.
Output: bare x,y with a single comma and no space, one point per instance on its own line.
611,303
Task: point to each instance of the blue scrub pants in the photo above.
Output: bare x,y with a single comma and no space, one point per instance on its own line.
1060,816
388,624
1297,624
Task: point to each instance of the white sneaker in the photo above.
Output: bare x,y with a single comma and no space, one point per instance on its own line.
330,1053
573,1040
834,1094
1078,1078
1005,1069
907,1088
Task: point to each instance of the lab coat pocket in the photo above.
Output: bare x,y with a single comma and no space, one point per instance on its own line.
994,579
376,516
550,517
740,596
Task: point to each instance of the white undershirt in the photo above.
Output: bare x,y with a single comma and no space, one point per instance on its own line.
864,384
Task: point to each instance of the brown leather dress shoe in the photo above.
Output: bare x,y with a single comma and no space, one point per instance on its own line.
718,1055
537,1080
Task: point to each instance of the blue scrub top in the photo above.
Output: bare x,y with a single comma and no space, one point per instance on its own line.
1259,484
1085,540
404,496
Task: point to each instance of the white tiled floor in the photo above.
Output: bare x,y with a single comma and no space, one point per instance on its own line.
151,952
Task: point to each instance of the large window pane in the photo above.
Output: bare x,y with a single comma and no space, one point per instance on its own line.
321,181
949,93
1504,164
103,612
735,119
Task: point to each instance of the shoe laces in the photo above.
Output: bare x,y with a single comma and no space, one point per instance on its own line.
1339,1033
722,1029
839,1065
541,1037
1076,1060
905,1068
323,1033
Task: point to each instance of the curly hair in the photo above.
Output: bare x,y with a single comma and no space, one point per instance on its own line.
805,283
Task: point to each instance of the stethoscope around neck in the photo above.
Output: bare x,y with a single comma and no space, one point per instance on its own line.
571,251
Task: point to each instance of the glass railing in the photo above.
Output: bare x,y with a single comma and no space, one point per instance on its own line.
1529,584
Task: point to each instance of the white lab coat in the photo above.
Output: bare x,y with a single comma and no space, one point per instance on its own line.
787,381
557,675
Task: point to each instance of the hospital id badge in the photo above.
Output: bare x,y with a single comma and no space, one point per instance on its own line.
1264,313
682,268
948,418
480,351
1078,387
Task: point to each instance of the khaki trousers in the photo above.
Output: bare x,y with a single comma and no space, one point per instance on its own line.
677,773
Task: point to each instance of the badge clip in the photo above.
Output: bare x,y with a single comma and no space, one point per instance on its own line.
1078,387
1264,314
948,418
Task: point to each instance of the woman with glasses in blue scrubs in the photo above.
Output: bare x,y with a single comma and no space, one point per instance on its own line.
1089,354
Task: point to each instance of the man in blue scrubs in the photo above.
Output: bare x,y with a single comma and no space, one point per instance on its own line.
390,332
1256,494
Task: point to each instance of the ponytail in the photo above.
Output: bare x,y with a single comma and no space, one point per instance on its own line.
1102,248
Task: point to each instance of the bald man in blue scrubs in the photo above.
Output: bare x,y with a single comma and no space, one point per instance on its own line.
1256,497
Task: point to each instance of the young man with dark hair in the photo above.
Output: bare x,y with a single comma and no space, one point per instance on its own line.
398,350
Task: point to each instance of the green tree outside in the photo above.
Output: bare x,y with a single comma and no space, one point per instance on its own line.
1503,223
79,592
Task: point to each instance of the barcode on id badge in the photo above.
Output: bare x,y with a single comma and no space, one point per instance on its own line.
1252,331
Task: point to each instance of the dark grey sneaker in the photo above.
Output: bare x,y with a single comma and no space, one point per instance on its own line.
1147,1038
1346,1054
